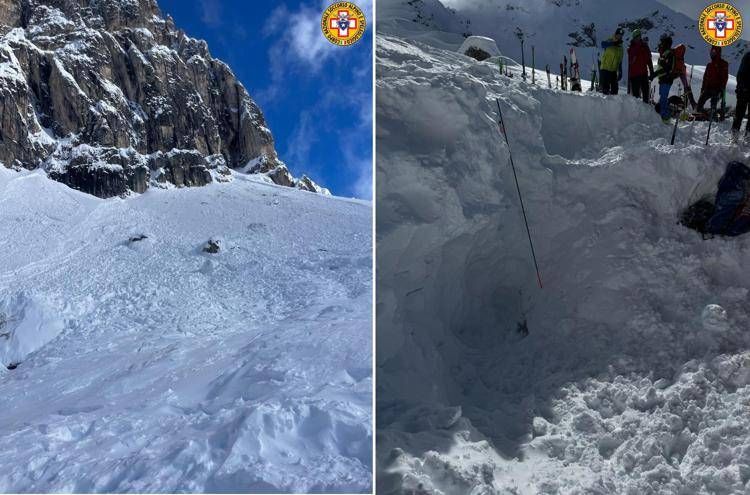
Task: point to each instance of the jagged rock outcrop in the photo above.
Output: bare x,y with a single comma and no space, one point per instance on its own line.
109,97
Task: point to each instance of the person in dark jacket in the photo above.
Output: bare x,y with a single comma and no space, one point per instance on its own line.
666,73
743,94
610,64
714,80
640,66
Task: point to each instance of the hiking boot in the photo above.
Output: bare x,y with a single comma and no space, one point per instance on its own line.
666,120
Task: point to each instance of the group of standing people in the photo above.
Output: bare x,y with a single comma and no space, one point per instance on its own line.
670,66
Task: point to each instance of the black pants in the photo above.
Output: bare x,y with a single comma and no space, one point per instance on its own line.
712,95
640,87
608,82
739,113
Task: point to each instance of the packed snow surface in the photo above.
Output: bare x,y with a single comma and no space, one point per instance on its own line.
634,376
141,363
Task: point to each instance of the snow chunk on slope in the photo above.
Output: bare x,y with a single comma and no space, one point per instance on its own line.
479,44
26,324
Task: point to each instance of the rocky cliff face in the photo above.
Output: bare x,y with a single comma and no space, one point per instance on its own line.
109,97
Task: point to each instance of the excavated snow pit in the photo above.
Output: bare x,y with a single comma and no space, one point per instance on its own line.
634,375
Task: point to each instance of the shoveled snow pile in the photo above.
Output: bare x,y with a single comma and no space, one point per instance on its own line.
634,376
135,360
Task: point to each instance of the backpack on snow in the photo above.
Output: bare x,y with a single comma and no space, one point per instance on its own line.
732,207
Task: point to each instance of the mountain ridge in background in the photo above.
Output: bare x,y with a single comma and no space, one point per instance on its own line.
109,96
551,26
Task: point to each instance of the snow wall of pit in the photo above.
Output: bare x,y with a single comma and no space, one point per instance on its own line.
603,190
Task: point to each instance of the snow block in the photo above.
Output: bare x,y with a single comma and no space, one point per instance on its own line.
479,47
26,324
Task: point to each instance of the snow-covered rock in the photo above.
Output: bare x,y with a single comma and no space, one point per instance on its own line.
479,47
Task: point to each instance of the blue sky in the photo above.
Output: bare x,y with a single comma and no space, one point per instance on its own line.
317,97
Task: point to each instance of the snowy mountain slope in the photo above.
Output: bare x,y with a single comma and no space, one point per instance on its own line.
634,376
425,20
149,365
548,25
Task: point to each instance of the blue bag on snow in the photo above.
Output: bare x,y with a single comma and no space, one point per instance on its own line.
732,213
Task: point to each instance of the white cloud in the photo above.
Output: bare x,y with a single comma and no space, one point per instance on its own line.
301,44
211,12
302,139
362,187
300,40
301,50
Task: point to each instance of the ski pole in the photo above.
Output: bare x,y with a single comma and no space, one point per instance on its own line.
711,119
679,116
520,197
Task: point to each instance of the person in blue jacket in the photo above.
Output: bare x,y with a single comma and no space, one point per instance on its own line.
743,96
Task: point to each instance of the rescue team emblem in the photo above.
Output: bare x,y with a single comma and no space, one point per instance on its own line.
720,24
343,23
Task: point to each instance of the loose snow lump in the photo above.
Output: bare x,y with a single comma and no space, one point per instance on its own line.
479,47
26,324
714,318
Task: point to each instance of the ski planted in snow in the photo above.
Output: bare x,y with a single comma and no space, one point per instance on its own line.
533,66
690,89
681,114
594,81
575,76
674,129
549,80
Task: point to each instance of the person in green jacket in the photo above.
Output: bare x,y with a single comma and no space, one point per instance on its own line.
610,67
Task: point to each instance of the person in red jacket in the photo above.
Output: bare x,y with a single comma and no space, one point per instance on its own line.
680,70
714,80
640,66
